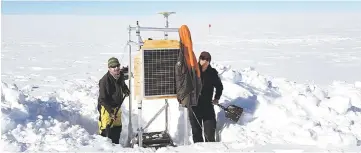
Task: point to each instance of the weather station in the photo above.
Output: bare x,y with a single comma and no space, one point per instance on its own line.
154,79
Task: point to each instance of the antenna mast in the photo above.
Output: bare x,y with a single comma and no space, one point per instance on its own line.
166,15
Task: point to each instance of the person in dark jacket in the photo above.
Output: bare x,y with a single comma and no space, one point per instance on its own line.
112,91
203,113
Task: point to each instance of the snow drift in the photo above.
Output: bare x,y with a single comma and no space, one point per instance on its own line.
277,112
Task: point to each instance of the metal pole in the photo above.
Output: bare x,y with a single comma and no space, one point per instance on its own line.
166,115
154,117
140,133
130,75
137,31
140,128
166,26
154,29
185,113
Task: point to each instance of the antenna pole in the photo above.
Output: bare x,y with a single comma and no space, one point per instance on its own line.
166,15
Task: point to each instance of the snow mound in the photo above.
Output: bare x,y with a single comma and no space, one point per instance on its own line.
63,121
280,111
276,111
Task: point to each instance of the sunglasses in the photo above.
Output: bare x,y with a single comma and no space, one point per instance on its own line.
114,66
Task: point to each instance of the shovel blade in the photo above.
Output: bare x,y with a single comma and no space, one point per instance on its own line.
234,112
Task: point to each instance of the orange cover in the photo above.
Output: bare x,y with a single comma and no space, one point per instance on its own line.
186,39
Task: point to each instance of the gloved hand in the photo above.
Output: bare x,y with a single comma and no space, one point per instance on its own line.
124,73
112,117
124,69
215,102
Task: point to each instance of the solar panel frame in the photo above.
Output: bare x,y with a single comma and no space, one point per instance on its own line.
157,66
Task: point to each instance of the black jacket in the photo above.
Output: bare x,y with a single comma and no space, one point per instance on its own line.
210,80
111,92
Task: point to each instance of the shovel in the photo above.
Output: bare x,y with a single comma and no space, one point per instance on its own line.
233,112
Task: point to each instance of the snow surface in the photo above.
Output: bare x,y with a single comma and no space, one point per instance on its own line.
51,66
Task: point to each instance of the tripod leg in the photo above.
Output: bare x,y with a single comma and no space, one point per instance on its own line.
166,115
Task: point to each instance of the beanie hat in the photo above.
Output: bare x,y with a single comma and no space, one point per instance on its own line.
113,62
206,56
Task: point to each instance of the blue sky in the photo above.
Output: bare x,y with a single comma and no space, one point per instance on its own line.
149,7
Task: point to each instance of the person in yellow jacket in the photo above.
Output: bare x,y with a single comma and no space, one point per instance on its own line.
112,92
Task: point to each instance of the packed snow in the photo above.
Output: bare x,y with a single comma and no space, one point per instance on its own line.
51,68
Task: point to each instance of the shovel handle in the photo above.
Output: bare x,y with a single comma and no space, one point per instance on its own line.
112,120
224,108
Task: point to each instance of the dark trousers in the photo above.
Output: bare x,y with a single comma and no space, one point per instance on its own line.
114,134
199,118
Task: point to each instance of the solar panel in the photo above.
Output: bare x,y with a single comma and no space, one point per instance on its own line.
154,69
159,71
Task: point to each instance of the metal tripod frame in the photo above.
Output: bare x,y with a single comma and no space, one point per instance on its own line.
139,43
